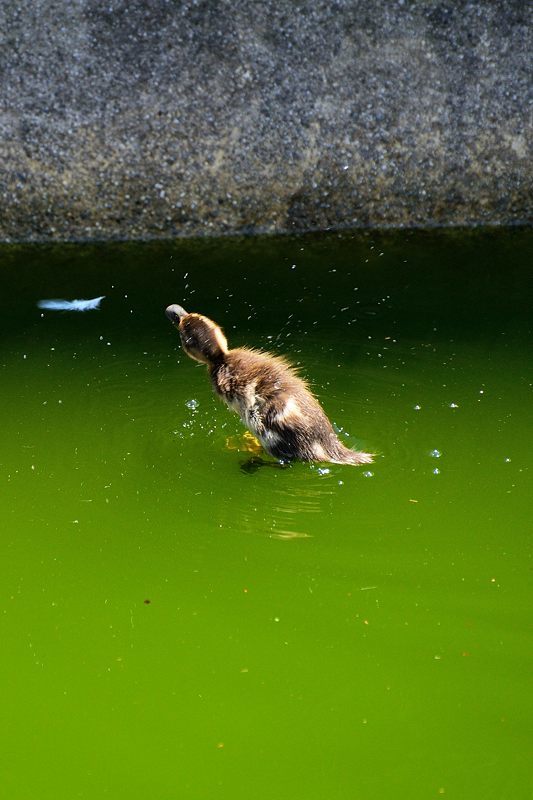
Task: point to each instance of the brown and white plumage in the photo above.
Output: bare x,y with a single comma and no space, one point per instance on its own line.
273,402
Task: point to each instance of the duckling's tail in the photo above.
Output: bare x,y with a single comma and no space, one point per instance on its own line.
346,456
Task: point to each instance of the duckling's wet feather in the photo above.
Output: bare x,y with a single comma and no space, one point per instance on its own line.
272,400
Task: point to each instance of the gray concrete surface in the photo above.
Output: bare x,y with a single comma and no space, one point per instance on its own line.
134,119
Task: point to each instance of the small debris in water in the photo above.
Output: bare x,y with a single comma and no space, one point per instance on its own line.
147,602
454,405
417,407
412,501
323,471
71,305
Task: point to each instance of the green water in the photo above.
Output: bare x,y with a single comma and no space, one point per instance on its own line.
173,627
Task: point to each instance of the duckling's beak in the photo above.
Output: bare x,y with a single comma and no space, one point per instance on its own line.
175,313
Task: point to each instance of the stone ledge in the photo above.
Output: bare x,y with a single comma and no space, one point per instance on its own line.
161,119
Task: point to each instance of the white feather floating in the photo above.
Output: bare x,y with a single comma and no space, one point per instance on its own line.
71,305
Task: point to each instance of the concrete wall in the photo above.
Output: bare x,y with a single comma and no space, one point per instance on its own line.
142,118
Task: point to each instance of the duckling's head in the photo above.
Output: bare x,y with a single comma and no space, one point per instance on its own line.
201,338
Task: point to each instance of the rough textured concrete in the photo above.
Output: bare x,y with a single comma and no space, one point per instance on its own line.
138,118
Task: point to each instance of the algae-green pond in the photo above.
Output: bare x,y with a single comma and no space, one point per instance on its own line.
175,627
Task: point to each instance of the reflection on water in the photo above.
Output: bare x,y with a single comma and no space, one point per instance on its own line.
275,502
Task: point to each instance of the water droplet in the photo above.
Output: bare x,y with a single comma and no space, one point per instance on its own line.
417,407
323,471
454,405
368,474
436,471
192,404
435,454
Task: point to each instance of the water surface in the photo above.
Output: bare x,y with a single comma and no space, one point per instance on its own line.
174,627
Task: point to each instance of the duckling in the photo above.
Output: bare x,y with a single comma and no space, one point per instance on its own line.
273,402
